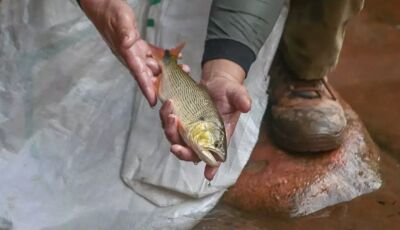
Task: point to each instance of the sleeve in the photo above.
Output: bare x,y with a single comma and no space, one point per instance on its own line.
237,29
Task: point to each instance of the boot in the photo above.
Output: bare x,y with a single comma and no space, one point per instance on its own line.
303,115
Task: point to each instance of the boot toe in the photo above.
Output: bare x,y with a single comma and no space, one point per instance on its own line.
308,128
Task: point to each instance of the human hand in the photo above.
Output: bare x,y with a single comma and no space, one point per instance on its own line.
223,80
115,20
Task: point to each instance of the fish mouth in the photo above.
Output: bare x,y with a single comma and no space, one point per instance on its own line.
218,155
212,157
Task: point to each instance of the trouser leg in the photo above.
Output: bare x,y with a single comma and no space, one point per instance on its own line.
314,34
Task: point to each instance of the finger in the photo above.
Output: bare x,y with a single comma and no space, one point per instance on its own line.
230,124
209,172
155,83
141,73
153,65
149,53
184,153
146,85
185,68
171,130
239,98
165,110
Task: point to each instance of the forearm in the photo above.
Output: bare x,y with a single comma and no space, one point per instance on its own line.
92,4
88,6
237,29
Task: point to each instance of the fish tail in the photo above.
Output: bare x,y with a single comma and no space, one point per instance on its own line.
174,52
159,53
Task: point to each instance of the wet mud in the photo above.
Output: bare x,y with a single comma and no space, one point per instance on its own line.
377,210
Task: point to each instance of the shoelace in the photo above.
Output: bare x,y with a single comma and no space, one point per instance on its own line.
301,87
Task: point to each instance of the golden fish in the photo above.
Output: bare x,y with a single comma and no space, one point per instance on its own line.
200,124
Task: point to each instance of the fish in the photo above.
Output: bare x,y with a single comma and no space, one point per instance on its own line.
200,124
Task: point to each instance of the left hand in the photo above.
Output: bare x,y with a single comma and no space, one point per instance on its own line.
223,80
115,20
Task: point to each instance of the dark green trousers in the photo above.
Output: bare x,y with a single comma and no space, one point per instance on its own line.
314,34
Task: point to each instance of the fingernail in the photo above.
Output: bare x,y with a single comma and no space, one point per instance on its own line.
171,120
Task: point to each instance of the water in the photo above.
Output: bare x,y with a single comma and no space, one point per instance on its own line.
377,210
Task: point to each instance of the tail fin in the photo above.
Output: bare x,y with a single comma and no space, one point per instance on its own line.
175,51
159,53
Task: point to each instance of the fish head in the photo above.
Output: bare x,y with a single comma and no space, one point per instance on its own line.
208,140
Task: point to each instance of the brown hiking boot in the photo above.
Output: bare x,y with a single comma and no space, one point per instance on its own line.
303,115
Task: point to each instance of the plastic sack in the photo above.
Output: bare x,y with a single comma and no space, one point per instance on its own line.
144,167
65,108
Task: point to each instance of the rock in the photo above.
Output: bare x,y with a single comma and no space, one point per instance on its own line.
278,182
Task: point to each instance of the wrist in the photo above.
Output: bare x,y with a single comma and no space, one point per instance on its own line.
222,68
229,49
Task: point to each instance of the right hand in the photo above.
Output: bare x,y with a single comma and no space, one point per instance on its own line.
223,80
115,20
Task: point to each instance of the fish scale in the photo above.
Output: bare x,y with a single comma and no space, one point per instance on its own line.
190,101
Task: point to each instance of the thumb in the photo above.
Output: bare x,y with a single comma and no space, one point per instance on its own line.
239,98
